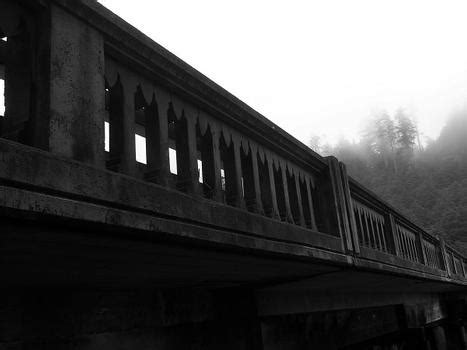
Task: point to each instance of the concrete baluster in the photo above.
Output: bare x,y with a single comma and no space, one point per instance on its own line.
288,210
257,188
216,154
240,202
162,168
193,186
299,199
272,183
311,206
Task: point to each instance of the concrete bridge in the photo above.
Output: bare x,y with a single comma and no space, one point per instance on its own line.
144,207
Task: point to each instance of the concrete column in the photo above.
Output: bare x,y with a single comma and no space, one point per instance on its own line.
439,337
416,339
463,337
77,89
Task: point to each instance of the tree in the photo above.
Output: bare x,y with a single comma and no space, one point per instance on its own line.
380,139
406,133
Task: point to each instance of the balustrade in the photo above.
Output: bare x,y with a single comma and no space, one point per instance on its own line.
234,169
407,243
381,229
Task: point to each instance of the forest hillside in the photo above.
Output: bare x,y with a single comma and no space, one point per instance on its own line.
426,183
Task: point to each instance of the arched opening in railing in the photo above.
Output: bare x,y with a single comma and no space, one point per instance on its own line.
3,43
228,172
178,142
114,124
16,76
141,110
206,169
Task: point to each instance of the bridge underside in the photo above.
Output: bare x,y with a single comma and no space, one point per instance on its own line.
107,287
53,252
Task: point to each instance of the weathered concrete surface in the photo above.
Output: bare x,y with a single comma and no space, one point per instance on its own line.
76,89
95,259
127,319
42,184
194,319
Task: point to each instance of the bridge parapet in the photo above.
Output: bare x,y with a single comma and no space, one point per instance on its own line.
206,158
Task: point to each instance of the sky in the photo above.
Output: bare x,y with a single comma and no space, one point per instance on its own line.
320,67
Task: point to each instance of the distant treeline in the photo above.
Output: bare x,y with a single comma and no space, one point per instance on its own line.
426,183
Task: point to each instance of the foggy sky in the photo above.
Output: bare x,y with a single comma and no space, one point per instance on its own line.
319,67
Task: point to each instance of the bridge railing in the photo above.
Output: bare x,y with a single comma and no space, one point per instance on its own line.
120,103
379,227
191,150
371,227
455,262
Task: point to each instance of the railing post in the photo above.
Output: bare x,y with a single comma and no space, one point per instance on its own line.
77,89
333,207
349,205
